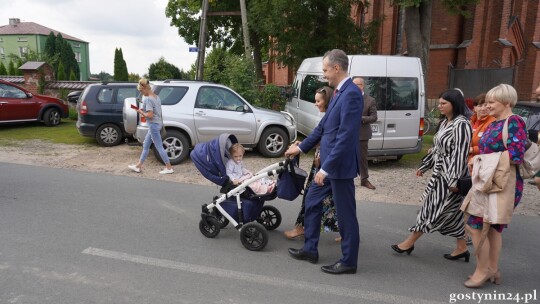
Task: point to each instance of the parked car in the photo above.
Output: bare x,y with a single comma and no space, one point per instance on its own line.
74,96
197,111
530,111
19,105
100,111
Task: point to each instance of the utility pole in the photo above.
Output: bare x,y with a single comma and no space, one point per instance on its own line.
245,30
202,41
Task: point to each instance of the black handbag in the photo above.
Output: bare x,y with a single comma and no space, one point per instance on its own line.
290,183
464,184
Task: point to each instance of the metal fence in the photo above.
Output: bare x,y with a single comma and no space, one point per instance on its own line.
474,82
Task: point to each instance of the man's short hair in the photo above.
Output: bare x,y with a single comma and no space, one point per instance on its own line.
337,56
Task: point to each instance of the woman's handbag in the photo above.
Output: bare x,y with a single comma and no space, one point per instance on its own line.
464,184
531,158
162,132
290,183
531,161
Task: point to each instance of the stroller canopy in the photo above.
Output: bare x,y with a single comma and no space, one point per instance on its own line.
210,158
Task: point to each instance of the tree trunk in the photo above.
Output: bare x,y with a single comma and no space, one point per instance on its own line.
418,32
257,58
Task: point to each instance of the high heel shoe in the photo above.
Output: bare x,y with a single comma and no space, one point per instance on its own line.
399,250
465,255
297,232
477,284
496,278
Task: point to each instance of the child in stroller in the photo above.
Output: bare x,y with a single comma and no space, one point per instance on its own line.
237,204
237,173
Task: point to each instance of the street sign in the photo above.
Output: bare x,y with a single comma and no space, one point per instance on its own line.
193,49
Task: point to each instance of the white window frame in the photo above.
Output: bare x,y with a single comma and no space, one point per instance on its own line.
23,51
78,56
22,39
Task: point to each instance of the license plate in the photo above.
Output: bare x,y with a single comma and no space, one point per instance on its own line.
374,128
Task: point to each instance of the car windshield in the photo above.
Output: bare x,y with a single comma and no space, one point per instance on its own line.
531,116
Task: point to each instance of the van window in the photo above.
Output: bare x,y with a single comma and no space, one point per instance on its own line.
393,93
402,94
310,84
171,95
105,95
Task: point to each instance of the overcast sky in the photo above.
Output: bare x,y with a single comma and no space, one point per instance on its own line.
139,27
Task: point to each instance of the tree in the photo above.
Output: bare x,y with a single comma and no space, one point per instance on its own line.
301,29
19,64
103,76
61,73
132,77
3,70
214,65
222,31
50,45
72,76
11,69
162,70
120,67
418,24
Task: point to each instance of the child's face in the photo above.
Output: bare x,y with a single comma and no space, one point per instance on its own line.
237,156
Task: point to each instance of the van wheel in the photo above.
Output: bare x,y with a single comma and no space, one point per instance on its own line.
176,145
273,142
109,135
51,117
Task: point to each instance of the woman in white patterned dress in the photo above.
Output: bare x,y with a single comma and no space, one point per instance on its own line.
448,161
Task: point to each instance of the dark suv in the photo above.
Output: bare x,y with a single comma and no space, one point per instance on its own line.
100,111
19,105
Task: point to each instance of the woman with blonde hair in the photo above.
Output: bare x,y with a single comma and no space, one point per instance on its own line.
151,110
487,241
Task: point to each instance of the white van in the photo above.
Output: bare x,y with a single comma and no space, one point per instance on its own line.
396,83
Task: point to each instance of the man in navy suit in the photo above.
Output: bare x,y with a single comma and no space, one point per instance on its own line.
337,133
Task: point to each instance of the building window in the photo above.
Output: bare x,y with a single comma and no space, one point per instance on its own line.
2,51
23,51
76,45
78,56
22,39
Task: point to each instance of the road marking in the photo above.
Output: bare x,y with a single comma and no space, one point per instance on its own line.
255,278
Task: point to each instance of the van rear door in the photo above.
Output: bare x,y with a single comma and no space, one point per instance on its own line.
403,103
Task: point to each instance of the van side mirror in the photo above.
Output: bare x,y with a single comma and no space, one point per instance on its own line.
242,108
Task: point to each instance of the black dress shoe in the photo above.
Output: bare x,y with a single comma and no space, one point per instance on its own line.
399,250
338,268
465,255
300,254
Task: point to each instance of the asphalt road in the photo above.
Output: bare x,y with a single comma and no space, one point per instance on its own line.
77,237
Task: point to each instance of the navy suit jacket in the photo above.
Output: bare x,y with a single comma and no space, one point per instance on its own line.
338,133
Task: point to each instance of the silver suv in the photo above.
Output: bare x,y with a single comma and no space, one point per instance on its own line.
198,111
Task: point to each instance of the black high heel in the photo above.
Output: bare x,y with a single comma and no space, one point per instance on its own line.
399,250
465,255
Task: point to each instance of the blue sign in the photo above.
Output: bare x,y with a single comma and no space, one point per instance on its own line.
193,49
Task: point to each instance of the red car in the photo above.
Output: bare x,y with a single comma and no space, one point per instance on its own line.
18,105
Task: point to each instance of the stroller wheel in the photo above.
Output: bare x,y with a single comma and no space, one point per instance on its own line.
270,217
209,227
223,221
254,236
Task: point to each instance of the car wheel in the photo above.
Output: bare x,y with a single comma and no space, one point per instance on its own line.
273,142
51,117
176,145
109,135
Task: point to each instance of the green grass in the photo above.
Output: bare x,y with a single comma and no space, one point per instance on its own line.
65,133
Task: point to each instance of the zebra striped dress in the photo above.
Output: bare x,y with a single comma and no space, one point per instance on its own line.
448,161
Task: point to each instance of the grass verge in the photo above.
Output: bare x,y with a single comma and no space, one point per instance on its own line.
65,133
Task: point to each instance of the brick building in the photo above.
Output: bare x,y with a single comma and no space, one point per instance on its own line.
499,43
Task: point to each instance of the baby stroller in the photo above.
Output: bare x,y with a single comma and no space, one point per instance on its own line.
237,204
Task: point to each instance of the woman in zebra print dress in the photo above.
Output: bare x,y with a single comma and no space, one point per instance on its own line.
448,161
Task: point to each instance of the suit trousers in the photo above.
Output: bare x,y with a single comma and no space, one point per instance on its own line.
364,159
343,192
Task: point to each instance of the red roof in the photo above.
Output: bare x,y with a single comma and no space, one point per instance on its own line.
31,28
